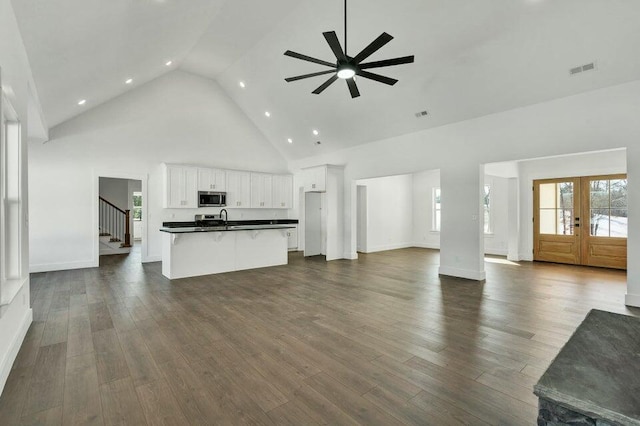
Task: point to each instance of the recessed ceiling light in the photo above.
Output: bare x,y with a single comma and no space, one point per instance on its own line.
128,81
290,140
242,84
168,63
267,113
315,132
82,102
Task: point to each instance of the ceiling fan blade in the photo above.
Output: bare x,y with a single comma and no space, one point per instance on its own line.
377,77
353,88
325,85
308,58
300,77
334,44
388,62
376,44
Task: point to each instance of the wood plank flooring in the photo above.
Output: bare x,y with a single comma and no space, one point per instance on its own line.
381,340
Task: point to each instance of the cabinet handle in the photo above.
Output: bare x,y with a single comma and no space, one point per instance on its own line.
313,185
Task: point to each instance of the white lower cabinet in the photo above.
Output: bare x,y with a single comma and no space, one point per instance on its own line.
292,238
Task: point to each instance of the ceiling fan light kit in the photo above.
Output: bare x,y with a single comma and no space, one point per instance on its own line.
347,67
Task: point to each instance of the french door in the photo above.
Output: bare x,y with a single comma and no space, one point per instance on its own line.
581,221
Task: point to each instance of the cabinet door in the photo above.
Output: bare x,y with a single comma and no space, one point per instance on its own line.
174,187
238,189
292,238
282,191
219,180
205,180
261,191
315,179
190,187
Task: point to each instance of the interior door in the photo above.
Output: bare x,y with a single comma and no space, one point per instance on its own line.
581,221
604,206
556,220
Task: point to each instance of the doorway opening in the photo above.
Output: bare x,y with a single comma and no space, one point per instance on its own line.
581,220
120,217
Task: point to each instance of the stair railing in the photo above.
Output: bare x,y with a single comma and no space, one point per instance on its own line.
115,222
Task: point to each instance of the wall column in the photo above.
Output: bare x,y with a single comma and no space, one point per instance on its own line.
461,233
513,223
633,242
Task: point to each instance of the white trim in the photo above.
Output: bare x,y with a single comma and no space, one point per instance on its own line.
496,252
632,300
388,247
7,363
351,256
62,266
462,273
150,259
432,246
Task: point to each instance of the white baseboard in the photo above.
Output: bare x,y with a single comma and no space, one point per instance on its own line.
496,252
432,246
351,256
63,266
386,247
526,257
632,300
462,273
14,348
150,259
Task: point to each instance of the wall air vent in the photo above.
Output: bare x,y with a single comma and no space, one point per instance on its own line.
583,68
421,114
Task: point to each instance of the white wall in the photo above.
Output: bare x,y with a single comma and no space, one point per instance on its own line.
597,120
389,212
15,77
178,118
116,191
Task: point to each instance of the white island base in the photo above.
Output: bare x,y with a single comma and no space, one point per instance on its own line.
189,254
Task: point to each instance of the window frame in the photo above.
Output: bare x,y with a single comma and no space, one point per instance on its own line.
436,207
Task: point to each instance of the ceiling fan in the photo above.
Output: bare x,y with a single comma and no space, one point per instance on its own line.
348,67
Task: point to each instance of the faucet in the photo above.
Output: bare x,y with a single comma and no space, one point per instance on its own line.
226,215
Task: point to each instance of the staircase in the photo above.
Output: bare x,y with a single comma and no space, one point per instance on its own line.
113,228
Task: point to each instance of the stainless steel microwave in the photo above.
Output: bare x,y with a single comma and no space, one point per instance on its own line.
212,199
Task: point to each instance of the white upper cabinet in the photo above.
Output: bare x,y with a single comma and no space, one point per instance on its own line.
315,179
181,187
212,180
282,191
238,189
261,190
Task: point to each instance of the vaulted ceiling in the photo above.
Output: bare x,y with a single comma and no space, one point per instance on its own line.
472,57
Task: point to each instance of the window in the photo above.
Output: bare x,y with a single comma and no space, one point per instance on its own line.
137,206
608,208
486,205
436,214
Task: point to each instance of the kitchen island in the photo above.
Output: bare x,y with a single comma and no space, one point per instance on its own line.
190,250
594,379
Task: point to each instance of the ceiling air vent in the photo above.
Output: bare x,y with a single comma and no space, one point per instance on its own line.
421,114
583,68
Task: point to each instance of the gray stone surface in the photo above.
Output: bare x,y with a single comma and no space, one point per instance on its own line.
597,373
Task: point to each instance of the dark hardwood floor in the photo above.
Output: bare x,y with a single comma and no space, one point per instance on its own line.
382,340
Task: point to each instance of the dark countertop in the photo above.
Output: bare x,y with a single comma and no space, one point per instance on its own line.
190,229
231,225
597,373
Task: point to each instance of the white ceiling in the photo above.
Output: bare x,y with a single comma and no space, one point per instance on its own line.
472,57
